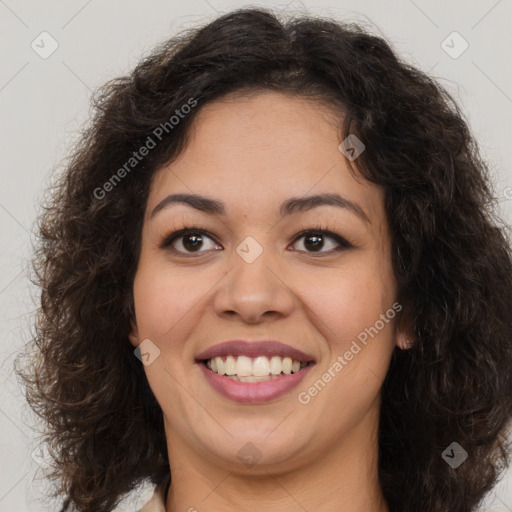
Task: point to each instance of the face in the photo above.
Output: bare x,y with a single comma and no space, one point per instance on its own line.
246,272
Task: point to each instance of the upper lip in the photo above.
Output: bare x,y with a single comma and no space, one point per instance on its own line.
254,349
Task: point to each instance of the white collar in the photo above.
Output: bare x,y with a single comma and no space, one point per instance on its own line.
156,503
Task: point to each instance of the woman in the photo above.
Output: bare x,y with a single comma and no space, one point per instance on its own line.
272,279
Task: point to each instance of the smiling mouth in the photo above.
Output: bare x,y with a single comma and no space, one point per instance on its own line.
254,369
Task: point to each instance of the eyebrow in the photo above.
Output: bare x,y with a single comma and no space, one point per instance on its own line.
288,207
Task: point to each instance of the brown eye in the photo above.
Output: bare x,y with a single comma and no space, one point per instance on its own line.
188,241
314,241
192,242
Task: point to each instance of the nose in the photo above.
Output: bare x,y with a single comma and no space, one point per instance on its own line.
254,291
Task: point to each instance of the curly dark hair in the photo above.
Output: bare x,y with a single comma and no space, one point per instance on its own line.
450,254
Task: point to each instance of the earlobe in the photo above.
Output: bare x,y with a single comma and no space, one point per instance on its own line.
134,334
403,341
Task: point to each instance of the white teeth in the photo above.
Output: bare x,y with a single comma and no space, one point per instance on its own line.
245,369
244,366
220,365
287,365
276,365
260,367
252,378
230,366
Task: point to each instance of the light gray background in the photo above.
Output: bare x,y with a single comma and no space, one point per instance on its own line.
43,102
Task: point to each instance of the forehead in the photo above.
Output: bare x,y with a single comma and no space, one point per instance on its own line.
257,150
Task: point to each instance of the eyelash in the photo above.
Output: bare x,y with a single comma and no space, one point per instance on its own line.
316,230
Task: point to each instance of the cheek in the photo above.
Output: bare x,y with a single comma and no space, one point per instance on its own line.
348,300
164,296
350,308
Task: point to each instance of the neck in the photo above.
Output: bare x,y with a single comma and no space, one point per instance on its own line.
345,477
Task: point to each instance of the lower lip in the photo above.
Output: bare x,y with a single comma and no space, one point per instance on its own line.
253,392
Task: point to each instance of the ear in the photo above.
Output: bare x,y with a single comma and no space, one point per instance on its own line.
403,341
133,336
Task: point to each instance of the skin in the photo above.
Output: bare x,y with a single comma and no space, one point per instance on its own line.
252,153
